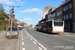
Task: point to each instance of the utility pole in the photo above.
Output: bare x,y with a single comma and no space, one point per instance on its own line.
11,18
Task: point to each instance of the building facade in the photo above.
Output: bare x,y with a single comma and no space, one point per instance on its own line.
68,15
65,12
45,11
49,16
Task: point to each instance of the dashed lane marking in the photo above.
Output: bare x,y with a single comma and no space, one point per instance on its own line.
34,42
39,48
31,38
22,39
23,48
42,46
22,43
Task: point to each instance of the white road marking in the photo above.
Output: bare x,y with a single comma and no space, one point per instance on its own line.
34,42
22,39
23,48
31,38
34,39
22,43
40,48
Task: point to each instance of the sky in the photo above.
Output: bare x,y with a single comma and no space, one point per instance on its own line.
30,11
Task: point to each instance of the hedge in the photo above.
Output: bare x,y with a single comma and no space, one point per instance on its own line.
2,27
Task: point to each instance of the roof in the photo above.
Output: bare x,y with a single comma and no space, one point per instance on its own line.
63,3
47,7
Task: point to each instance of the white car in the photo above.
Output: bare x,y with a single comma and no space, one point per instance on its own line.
15,31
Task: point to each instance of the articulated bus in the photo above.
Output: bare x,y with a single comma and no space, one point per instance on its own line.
53,26
38,28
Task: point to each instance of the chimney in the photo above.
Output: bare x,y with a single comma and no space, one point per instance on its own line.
63,2
47,7
53,8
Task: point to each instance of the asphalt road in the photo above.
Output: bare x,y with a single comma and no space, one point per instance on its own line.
35,40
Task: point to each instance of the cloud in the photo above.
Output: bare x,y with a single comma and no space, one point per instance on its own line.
33,23
41,13
6,2
27,19
34,11
22,2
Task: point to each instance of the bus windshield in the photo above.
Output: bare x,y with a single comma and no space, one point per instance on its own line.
58,23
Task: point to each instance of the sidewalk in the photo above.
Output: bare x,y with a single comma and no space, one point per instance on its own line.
69,33
2,34
7,44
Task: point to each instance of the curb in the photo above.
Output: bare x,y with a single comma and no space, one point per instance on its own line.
18,42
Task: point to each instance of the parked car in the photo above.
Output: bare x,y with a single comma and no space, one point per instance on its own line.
23,27
20,28
15,31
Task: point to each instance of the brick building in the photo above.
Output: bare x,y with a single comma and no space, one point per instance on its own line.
66,12
45,11
69,14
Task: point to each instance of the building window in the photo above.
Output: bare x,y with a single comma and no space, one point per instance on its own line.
50,11
64,17
70,6
66,26
63,8
53,15
70,15
59,19
67,7
67,0
67,16
59,13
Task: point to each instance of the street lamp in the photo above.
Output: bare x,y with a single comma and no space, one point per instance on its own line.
12,16
10,12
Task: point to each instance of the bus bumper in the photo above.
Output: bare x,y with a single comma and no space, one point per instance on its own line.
57,31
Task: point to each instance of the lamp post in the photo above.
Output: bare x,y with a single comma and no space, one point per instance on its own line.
11,16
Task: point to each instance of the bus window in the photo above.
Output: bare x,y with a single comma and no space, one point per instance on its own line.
58,23
44,25
47,24
50,24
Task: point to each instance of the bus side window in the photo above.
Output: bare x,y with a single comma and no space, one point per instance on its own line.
50,24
